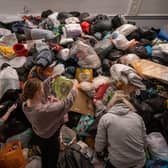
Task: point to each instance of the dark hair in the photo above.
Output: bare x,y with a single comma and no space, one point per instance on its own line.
31,86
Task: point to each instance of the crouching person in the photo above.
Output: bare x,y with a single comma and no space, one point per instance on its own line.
122,132
46,115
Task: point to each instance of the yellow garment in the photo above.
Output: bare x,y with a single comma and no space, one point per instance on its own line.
7,51
84,74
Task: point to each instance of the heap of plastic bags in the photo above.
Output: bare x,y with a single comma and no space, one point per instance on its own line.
104,54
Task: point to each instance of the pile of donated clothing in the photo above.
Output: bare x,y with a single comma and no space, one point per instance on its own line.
104,54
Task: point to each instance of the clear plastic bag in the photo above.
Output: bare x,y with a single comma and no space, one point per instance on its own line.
9,80
87,57
157,146
67,137
126,29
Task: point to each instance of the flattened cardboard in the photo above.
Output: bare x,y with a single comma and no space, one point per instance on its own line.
83,104
149,69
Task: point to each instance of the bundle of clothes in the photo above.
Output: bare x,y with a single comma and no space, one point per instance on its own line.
105,54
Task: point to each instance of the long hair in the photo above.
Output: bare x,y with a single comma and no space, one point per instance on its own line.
30,87
120,96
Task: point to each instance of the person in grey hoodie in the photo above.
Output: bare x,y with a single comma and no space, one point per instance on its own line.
123,133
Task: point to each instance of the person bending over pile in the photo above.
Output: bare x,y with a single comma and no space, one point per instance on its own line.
123,133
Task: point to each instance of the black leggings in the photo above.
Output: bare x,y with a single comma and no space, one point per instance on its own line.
49,148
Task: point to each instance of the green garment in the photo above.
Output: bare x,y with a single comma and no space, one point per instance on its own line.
61,87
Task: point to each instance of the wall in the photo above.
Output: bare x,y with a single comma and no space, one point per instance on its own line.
140,7
92,6
112,7
154,7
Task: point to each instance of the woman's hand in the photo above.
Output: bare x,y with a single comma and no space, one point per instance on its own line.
52,99
75,84
12,108
7,114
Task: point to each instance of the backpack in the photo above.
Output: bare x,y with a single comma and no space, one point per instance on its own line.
73,158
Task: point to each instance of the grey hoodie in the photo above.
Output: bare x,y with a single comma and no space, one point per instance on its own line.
123,132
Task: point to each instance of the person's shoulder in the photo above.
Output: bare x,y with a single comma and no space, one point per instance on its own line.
136,115
106,117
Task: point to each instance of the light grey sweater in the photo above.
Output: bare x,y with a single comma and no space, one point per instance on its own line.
47,117
123,132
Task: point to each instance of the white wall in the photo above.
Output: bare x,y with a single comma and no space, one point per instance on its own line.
92,6
154,7
140,7
112,7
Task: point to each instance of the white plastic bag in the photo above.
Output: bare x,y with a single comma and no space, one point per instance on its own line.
86,86
15,62
9,40
72,20
126,75
67,137
157,146
9,80
41,34
64,54
164,48
128,59
73,30
4,32
101,80
126,29
59,69
53,18
87,57
120,41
